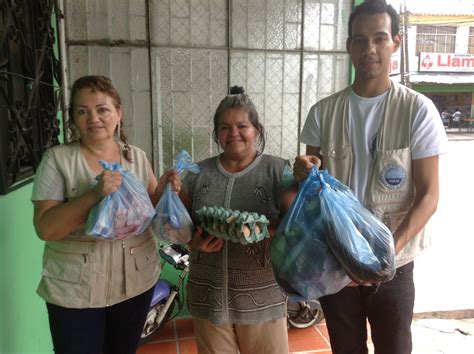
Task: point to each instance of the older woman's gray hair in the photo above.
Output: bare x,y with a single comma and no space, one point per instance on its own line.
237,99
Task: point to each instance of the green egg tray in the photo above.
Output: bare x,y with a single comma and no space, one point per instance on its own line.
233,225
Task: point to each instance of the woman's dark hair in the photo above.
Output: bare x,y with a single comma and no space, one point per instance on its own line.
237,99
96,83
372,7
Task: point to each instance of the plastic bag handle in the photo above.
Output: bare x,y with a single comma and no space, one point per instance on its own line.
304,185
184,162
324,184
112,166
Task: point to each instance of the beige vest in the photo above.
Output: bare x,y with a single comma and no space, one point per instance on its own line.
81,271
390,191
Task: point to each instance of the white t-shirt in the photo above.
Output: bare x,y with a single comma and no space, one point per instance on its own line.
457,116
428,137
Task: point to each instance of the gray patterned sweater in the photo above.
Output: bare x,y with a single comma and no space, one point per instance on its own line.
236,284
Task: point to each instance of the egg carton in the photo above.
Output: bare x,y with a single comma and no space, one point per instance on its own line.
233,225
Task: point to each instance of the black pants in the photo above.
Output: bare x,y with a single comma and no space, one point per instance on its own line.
108,330
389,309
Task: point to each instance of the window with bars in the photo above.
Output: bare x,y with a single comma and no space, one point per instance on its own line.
28,96
287,54
435,39
470,48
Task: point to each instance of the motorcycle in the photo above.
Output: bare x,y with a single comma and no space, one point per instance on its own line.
167,296
303,314
168,299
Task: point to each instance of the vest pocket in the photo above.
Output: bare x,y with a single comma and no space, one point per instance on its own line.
335,152
63,278
338,161
145,256
67,267
392,173
394,219
141,267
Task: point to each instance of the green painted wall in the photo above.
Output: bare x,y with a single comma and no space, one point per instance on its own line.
23,321
24,324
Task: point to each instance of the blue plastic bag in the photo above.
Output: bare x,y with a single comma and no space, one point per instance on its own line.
304,266
172,222
362,244
126,212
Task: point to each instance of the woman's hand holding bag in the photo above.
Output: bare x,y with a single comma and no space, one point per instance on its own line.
172,222
126,212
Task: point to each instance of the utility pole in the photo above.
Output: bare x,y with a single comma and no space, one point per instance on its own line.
404,65
402,45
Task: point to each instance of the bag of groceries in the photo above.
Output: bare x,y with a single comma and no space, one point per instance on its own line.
362,244
172,222
304,266
327,238
126,212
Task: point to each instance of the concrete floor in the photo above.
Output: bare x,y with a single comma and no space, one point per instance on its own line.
443,273
445,336
444,305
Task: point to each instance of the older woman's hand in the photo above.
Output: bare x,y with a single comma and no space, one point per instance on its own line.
303,165
205,243
171,176
109,182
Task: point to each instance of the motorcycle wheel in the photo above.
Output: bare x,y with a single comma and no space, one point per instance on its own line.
306,316
151,326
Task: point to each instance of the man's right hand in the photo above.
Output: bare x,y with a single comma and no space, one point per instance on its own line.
303,165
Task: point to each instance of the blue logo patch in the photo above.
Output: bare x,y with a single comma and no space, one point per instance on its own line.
393,176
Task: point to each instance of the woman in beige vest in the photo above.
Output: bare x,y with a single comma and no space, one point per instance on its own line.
97,290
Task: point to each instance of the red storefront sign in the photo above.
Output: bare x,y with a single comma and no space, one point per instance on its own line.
395,63
446,62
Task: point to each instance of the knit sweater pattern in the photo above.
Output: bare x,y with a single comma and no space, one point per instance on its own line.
236,284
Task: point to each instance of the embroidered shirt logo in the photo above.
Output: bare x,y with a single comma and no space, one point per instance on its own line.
393,176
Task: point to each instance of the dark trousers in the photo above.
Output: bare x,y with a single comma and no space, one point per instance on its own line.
108,330
388,308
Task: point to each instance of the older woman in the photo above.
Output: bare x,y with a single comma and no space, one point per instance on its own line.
233,297
97,291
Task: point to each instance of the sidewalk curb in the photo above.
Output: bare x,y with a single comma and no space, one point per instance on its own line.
459,136
451,315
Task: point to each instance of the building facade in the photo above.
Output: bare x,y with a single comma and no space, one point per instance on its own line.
437,59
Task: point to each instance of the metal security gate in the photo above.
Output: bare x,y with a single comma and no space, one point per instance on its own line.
287,54
174,60
29,95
